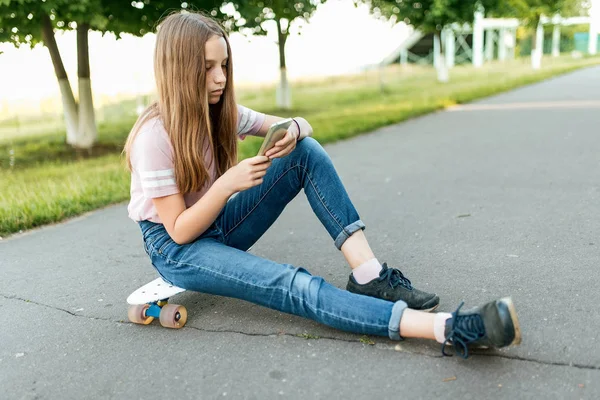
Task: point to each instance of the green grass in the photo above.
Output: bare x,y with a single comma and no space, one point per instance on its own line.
44,181
38,196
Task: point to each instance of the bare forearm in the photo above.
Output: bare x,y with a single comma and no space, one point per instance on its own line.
195,220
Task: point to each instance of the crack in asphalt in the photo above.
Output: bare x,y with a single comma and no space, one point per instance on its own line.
316,337
54,308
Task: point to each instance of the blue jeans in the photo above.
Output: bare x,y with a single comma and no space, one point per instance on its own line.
217,261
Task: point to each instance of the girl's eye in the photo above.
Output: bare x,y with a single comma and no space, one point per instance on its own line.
224,66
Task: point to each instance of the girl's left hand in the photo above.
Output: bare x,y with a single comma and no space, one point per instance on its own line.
285,146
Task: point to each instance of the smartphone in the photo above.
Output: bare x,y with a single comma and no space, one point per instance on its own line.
275,133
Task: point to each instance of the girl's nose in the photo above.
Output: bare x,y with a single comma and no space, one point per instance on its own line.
220,77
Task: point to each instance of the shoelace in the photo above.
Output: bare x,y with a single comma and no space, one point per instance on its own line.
394,277
465,329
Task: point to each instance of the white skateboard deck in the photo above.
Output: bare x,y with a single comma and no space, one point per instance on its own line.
156,290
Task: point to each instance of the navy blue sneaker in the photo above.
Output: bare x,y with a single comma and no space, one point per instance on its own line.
494,324
392,285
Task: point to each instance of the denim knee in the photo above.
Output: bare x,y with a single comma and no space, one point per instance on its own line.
303,284
308,142
311,147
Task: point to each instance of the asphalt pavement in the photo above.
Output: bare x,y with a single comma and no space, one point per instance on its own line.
496,198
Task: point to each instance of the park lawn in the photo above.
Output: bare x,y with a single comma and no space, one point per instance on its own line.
42,181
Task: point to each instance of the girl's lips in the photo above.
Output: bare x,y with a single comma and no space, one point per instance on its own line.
220,91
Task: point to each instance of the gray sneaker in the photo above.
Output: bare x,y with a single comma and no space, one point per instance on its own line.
494,324
392,285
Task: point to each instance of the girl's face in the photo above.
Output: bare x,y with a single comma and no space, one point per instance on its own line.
215,53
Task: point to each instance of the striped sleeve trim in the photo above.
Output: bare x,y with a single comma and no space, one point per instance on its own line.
157,174
158,184
158,179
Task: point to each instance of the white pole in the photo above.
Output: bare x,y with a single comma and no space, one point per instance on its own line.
450,48
502,44
477,39
594,27
513,52
540,38
536,53
489,44
556,41
403,57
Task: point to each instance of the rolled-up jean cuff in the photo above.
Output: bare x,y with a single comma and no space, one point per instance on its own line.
347,232
394,326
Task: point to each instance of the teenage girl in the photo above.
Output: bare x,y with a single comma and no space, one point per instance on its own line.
182,154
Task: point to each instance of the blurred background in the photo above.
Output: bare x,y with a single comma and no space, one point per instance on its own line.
75,76
340,39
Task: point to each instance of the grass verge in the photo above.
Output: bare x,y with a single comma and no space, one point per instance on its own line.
43,181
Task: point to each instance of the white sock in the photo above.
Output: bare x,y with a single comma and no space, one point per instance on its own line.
439,326
367,271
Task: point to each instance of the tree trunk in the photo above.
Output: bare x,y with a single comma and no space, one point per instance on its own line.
68,100
87,132
441,67
284,96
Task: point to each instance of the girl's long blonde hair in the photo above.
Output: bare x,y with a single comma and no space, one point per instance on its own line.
182,105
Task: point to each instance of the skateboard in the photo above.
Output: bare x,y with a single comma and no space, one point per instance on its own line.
151,301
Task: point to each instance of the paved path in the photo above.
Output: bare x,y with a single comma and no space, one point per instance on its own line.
492,199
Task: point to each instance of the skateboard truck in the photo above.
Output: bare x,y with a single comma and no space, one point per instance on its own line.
151,301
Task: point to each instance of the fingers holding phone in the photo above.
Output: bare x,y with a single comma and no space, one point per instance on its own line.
278,136
284,146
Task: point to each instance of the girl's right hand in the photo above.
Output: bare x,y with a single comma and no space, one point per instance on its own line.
248,173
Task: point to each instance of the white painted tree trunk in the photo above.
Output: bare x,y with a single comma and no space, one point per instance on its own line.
439,60
86,132
538,47
68,100
87,123
69,111
284,95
